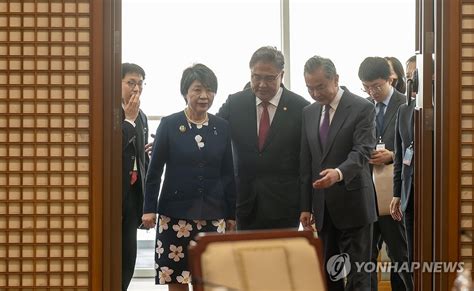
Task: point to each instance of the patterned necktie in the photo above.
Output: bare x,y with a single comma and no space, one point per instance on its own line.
133,177
324,128
264,125
379,118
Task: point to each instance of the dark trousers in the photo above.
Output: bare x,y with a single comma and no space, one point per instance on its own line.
254,221
130,222
356,243
393,233
247,223
409,220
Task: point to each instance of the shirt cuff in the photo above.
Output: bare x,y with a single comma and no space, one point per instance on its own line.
131,122
341,177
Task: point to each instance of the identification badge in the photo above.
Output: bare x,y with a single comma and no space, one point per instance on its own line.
408,156
380,145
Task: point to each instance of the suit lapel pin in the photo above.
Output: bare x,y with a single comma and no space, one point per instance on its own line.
215,130
182,128
285,109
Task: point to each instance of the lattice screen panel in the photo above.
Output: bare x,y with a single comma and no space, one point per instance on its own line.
45,69
467,133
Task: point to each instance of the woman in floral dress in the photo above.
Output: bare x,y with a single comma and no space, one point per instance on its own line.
198,191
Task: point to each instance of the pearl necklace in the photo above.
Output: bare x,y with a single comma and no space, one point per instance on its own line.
206,119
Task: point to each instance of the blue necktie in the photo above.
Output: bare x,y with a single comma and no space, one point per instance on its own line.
324,128
379,118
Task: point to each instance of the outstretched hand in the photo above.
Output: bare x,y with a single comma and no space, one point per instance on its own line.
328,178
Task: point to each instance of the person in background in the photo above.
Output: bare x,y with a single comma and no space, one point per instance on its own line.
265,124
198,191
135,160
402,204
376,78
338,137
410,67
397,74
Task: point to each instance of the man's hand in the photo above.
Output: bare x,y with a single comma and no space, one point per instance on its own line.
307,220
149,146
381,157
230,225
328,178
149,220
132,107
395,209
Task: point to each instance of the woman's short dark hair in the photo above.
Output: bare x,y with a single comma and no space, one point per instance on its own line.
201,73
400,86
316,62
373,68
129,68
268,54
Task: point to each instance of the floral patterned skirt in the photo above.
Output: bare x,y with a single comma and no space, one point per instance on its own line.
172,239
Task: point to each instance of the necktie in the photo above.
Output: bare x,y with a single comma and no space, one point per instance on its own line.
134,172
379,118
133,177
264,125
324,128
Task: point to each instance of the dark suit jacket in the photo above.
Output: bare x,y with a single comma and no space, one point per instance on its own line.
134,140
351,202
403,174
267,181
388,130
198,183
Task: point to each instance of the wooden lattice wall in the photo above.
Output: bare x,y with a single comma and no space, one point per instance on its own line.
45,69
467,132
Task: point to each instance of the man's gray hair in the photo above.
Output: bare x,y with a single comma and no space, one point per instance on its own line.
316,62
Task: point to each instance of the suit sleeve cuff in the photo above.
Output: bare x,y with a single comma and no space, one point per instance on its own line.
341,177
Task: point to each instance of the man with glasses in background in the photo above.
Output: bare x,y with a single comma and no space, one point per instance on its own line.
374,73
135,149
265,123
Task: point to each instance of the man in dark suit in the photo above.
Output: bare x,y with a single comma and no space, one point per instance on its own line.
402,203
265,123
338,137
134,164
374,72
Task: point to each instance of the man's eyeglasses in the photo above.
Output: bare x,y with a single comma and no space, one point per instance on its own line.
267,79
131,84
373,89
